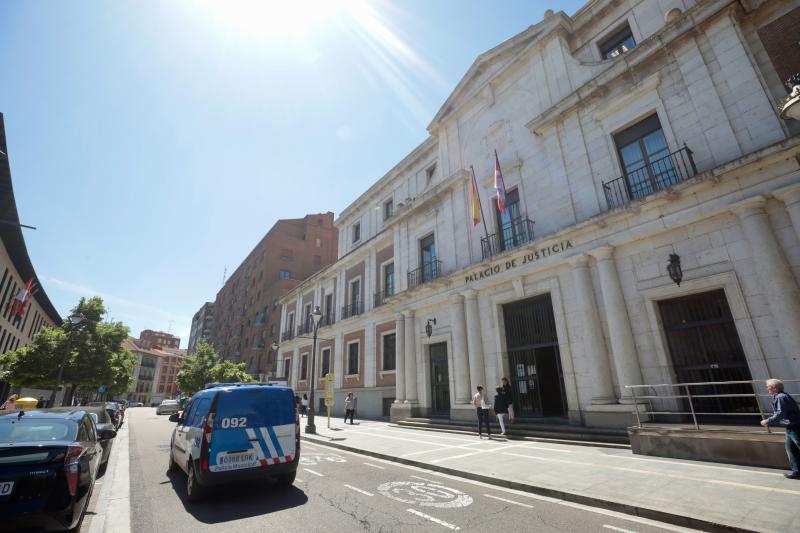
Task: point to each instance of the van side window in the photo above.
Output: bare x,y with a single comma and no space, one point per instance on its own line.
189,413
201,411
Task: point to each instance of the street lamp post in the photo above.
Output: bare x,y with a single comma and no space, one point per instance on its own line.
316,317
73,320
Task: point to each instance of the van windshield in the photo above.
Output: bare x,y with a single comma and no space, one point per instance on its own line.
261,407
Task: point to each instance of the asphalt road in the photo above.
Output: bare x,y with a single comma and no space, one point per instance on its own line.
340,491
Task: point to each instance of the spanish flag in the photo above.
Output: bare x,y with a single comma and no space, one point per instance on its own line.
474,200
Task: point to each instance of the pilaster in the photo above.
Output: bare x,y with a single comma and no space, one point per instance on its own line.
410,350
477,369
460,355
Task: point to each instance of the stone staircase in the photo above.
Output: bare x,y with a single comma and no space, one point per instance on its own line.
555,431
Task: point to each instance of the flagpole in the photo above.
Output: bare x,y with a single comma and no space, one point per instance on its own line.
480,204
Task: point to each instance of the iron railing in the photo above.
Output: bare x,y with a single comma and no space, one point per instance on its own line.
327,320
305,327
380,297
427,272
657,175
511,235
352,309
686,404
287,335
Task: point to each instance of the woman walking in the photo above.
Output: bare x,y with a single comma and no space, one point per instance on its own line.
501,408
509,399
304,405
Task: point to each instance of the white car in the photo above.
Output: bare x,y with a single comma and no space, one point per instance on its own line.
167,407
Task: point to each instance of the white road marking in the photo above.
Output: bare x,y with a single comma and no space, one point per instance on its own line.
375,466
488,450
652,473
433,519
313,472
358,490
424,479
618,529
509,501
528,495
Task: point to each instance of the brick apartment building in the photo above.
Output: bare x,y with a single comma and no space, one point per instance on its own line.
159,339
155,371
247,309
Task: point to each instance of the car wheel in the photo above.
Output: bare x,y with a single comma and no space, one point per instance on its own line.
194,491
173,466
287,479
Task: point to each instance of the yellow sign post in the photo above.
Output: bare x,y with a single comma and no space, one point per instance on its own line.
329,384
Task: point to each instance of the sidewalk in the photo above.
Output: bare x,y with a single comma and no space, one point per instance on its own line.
707,496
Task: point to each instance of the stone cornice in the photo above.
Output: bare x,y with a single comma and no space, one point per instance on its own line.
788,195
749,207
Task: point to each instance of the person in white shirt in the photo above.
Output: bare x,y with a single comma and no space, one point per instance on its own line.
482,408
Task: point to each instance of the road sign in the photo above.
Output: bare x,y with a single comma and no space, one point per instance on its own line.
101,388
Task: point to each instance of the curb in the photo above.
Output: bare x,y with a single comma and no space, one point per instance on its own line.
642,512
114,498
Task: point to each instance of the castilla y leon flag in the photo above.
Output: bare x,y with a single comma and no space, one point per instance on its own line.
499,185
474,200
21,300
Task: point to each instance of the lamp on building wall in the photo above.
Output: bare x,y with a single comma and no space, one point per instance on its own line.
316,317
790,105
429,327
674,269
73,320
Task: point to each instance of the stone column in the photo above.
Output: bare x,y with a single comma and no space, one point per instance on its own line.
410,350
774,274
400,361
790,196
619,326
477,370
460,361
594,344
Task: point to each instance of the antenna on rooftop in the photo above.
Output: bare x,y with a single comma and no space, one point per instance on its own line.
224,274
169,329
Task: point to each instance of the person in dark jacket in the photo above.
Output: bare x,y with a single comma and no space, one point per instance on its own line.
509,399
501,408
786,414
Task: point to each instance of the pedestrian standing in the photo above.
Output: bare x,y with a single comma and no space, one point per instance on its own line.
297,402
41,403
482,408
786,414
10,404
501,408
304,405
350,403
509,399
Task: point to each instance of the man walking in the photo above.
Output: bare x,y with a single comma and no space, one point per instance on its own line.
482,408
350,407
786,414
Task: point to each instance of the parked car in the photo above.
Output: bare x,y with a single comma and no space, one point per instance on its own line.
111,409
137,404
167,407
105,428
217,439
49,462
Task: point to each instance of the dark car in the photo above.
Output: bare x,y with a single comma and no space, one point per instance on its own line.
112,409
106,429
48,465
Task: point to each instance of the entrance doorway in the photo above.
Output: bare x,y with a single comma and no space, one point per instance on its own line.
534,360
440,379
705,347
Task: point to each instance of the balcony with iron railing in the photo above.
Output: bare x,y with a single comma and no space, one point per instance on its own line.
380,297
426,273
328,320
305,327
352,309
657,175
287,335
512,235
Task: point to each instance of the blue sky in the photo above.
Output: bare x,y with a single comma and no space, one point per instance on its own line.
154,143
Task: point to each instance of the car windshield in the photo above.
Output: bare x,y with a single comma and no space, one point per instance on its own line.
36,429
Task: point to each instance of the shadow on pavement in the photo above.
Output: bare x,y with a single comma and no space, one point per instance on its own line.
238,500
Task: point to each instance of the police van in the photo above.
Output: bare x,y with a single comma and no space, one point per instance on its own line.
235,432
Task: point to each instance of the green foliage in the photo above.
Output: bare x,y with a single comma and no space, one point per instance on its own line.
205,366
93,349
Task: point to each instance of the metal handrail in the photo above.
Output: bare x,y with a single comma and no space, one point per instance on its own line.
691,397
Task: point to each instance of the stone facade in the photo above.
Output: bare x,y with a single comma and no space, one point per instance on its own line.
571,298
202,325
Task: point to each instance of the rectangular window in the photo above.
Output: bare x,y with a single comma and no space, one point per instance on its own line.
430,173
389,345
304,367
357,232
352,359
284,274
307,315
618,43
355,293
329,308
388,279
290,322
287,368
644,156
325,366
427,259
286,254
508,226
388,209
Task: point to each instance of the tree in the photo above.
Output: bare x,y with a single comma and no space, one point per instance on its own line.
205,366
94,351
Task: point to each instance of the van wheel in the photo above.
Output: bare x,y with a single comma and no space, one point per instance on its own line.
194,491
287,479
173,466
